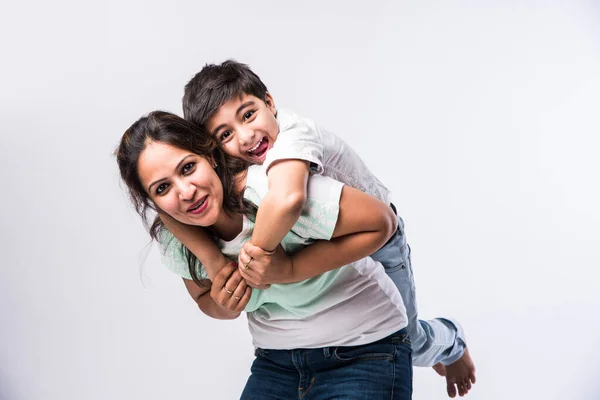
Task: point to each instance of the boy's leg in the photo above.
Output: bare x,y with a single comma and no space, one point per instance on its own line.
435,341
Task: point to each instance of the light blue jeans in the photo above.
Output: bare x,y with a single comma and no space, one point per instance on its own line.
437,340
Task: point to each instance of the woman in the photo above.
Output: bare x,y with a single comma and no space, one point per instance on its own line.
342,324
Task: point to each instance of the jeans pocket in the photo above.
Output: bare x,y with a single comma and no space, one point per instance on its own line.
395,268
258,352
368,352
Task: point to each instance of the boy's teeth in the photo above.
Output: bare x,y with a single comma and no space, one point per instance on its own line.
256,147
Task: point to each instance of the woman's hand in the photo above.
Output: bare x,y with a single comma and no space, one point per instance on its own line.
229,290
262,268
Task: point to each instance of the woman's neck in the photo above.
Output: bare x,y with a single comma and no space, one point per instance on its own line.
228,226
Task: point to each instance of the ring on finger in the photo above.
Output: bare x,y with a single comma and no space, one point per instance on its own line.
246,265
227,290
236,297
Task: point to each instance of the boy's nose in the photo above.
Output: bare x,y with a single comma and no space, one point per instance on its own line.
246,137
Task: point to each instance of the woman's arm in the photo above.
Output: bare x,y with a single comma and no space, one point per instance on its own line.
216,302
364,224
198,242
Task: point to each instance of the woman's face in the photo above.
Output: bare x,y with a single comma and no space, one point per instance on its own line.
182,184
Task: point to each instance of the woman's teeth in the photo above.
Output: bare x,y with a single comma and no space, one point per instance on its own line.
198,206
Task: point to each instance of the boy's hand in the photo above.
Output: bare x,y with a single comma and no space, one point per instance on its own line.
229,290
259,267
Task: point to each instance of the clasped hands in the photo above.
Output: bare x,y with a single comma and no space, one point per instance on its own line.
256,268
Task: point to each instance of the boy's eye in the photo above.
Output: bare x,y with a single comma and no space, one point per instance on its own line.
187,167
248,115
160,189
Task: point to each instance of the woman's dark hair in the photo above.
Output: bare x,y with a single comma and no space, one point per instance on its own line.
164,127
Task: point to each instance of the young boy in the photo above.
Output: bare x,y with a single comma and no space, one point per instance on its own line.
233,104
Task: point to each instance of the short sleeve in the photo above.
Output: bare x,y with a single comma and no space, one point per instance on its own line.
298,139
321,210
173,256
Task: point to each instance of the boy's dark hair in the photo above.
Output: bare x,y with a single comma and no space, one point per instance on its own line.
215,85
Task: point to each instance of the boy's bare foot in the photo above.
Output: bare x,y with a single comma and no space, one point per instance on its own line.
440,369
459,375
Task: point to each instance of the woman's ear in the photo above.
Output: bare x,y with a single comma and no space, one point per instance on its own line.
211,160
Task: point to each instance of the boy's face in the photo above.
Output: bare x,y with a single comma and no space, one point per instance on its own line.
245,127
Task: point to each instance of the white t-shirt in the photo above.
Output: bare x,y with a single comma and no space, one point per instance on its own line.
300,138
352,305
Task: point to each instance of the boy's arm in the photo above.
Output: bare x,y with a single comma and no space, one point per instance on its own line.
282,205
364,225
298,147
198,242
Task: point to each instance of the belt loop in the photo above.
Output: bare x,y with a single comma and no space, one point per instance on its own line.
326,352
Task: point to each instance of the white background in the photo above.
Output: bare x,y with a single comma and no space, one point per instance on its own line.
483,118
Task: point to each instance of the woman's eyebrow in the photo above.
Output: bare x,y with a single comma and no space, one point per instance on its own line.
174,169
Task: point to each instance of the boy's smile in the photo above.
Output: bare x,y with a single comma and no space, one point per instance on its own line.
246,127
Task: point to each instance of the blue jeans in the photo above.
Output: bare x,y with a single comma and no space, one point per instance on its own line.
379,370
437,340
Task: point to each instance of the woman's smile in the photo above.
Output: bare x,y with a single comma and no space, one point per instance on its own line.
199,206
182,184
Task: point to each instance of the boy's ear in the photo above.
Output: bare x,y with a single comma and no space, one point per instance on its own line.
270,103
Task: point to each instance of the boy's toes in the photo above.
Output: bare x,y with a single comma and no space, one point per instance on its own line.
472,376
451,389
468,384
461,389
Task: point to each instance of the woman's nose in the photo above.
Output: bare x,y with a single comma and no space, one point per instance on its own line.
186,190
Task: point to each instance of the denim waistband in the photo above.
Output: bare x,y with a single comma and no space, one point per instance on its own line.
400,336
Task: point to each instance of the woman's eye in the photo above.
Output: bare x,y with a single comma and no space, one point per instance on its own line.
248,115
187,167
225,135
161,188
